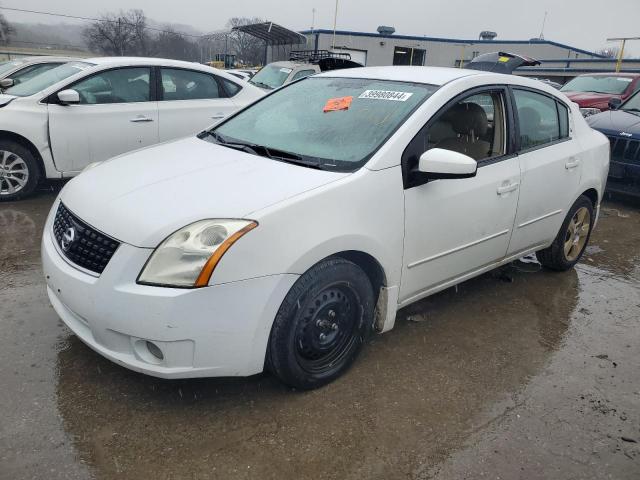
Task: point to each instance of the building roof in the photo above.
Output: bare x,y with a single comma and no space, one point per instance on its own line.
455,40
272,33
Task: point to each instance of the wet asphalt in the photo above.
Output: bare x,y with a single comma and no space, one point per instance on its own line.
518,374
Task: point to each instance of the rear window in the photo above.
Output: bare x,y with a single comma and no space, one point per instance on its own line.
598,84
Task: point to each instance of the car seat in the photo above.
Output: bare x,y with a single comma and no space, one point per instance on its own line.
469,122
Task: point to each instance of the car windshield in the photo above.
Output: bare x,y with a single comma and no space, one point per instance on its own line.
598,84
6,66
271,76
633,104
330,123
45,80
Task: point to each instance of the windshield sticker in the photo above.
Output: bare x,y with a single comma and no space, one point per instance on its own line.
386,95
625,80
503,59
286,70
336,104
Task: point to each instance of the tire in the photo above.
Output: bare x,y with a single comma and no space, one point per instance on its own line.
321,325
19,172
569,245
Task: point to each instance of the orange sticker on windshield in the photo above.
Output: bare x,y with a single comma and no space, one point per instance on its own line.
336,104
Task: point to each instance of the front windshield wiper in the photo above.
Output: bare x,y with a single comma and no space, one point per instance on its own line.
260,84
634,111
268,152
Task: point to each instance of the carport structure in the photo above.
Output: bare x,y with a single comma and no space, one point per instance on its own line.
273,35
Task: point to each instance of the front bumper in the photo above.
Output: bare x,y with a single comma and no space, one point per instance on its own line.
219,330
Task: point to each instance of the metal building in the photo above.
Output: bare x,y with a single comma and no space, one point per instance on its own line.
387,48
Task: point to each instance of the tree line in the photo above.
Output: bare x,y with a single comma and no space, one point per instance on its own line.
128,33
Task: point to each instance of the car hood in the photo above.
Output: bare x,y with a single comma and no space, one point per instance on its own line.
616,122
589,99
141,197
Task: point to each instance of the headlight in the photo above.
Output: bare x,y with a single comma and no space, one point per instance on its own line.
188,257
587,112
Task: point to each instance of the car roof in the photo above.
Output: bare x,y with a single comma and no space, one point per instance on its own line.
45,59
143,61
428,75
611,74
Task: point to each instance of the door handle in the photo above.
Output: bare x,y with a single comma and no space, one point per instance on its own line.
572,163
141,119
218,116
508,188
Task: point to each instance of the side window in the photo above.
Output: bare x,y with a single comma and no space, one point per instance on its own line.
563,116
302,74
474,126
538,119
231,88
122,85
188,85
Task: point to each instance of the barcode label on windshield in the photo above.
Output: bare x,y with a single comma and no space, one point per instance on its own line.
386,95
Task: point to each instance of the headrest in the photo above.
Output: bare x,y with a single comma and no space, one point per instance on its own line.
467,118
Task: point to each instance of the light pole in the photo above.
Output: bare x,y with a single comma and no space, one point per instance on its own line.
621,52
335,22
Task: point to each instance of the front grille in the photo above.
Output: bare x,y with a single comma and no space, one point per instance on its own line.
82,244
625,150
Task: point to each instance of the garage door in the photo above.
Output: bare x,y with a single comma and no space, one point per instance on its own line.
359,56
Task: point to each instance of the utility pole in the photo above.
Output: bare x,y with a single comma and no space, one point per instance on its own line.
335,22
624,41
313,19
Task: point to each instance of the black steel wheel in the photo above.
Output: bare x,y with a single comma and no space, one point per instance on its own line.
321,325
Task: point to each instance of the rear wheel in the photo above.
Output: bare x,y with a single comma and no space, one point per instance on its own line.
19,172
321,325
572,239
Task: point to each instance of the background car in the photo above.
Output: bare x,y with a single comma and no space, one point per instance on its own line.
302,223
594,91
622,127
57,123
14,72
303,63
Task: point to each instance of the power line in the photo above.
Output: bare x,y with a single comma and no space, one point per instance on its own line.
91,19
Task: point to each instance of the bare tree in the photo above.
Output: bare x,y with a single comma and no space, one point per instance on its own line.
119,34
170,44
609,52
5,30
247,48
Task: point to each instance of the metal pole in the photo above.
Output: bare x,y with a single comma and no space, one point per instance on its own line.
335,22
620,56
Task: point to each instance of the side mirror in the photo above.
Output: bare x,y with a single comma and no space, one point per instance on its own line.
615,103
69,97
441,163
6,83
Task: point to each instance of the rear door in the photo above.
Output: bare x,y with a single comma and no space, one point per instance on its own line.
191,100
117,113
551,168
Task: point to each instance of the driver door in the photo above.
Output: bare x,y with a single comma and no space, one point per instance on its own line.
455,227
116,114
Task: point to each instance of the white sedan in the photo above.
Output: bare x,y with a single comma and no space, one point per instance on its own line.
58,122
285,235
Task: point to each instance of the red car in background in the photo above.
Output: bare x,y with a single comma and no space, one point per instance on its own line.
598,92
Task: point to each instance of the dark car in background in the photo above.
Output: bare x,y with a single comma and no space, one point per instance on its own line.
621,125
596,92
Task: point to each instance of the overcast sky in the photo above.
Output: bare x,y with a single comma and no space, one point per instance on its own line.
579,23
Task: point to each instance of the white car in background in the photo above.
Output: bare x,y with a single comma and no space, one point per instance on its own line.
83,112
284,235
14,72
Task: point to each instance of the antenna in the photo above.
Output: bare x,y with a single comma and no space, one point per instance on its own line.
313,19
544,23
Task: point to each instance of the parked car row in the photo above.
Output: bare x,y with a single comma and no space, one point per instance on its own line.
55,124
285,234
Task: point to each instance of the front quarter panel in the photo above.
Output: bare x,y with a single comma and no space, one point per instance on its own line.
362,212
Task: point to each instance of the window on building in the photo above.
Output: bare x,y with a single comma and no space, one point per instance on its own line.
409,56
